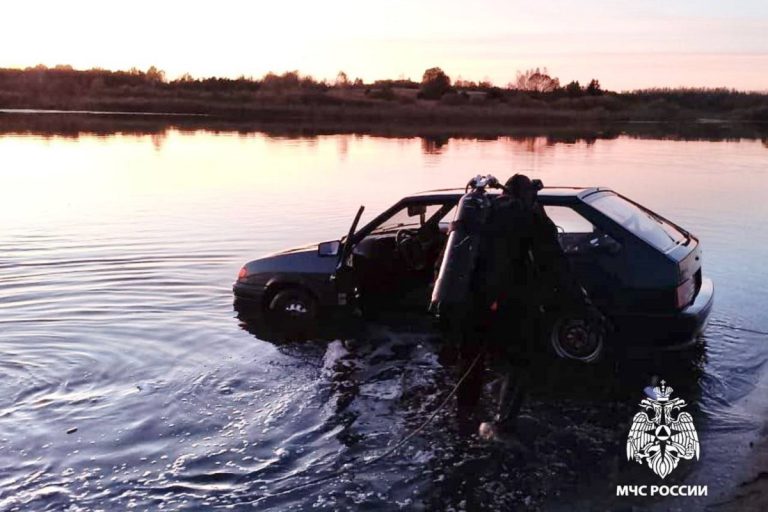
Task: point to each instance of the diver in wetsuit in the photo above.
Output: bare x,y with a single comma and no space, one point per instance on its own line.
502,269
522,271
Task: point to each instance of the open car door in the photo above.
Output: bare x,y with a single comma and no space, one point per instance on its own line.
347,247
344,277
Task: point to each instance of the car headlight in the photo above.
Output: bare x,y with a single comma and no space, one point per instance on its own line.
242,274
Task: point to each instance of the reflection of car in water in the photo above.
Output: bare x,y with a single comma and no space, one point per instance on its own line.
641,270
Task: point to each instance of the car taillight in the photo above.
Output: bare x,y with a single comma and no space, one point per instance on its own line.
685,293
242,274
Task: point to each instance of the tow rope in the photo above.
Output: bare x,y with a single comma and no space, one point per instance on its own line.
431,416
734,328
394,448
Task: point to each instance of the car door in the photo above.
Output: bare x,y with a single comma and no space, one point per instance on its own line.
385,276
594,255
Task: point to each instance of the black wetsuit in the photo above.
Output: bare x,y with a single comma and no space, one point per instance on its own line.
522,270
502,322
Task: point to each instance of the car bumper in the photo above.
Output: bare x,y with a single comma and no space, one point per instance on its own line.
675,331
694,318
248,291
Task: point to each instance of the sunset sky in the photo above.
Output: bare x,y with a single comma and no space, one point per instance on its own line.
625,44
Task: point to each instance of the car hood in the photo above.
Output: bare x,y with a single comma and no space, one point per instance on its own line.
303,259
293,250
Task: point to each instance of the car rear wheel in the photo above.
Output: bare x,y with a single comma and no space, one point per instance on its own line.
294,306
577,339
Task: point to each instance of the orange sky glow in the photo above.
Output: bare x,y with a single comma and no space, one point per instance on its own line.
626,45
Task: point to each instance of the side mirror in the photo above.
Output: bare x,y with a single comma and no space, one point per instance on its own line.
329,248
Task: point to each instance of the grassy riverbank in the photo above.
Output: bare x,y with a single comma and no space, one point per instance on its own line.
290,98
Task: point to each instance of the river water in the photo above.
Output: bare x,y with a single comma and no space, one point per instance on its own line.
128,382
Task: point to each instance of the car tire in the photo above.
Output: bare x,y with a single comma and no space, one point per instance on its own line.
294,306
577,339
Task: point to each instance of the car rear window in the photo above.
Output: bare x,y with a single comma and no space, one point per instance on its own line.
648,226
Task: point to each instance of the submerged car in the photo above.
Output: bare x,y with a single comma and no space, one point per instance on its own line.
642,271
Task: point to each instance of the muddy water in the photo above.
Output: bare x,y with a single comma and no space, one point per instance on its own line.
128,382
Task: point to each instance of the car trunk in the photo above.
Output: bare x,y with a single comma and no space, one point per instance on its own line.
659,268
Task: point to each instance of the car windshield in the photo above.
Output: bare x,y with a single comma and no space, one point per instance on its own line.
645,224
402,219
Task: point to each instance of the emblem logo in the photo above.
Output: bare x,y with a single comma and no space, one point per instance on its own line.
662,440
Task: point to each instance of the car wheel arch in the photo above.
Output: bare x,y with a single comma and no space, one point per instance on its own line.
276,286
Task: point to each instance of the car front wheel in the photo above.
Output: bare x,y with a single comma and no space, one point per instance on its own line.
294,306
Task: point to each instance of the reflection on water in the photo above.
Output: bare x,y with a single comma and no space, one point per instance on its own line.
74,125
117,252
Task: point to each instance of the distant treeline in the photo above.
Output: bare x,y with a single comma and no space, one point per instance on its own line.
534,97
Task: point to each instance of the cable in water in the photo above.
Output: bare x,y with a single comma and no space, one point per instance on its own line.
399,443
742,329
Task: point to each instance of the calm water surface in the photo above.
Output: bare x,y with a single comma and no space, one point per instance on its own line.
117,254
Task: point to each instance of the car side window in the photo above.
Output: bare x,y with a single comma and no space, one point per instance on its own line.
575,233
568,220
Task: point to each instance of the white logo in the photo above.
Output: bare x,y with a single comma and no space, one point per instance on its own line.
662,440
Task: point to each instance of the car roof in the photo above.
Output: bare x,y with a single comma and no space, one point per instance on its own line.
545,193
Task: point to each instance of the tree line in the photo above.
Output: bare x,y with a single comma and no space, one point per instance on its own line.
533,89
433,85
